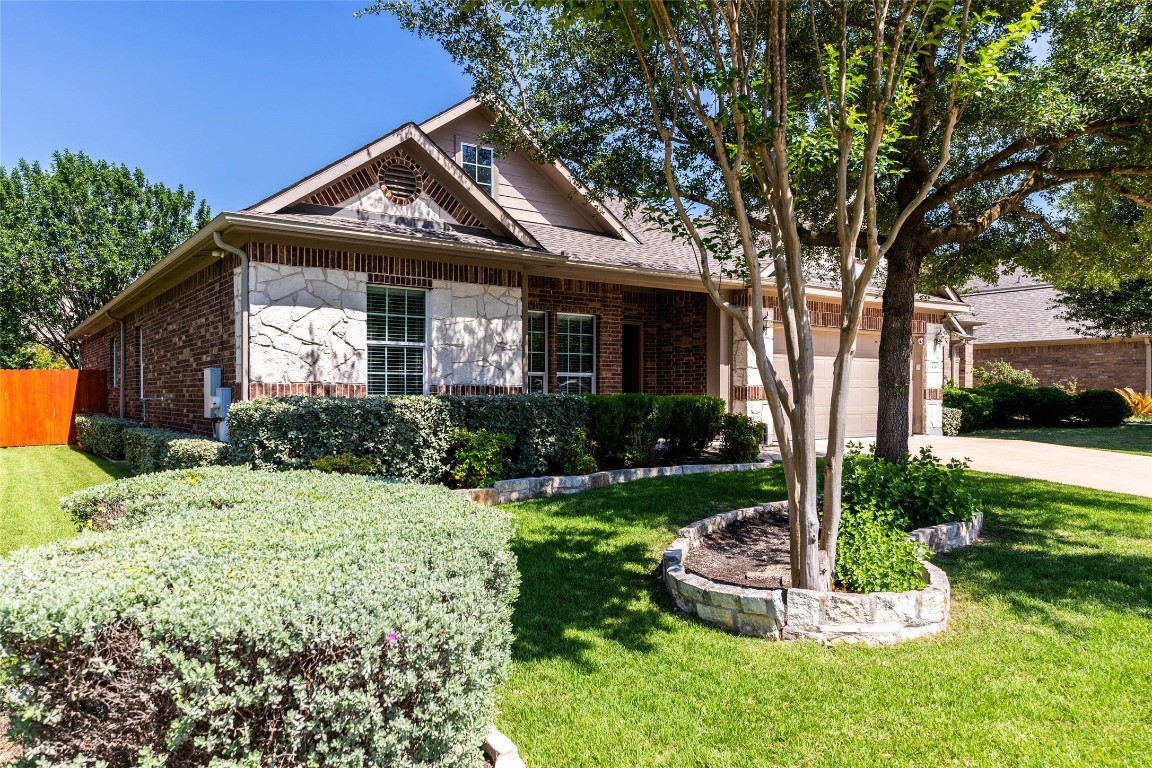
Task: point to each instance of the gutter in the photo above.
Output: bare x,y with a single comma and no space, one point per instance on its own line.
245,304
1148,364
120,361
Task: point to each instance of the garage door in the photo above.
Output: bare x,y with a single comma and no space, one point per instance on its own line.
863,393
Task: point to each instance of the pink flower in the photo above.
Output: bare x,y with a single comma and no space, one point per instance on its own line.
393,638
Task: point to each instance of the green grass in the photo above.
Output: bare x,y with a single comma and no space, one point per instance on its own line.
31,482
1125,439
1046,661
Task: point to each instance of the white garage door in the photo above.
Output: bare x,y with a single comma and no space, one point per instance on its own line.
863,394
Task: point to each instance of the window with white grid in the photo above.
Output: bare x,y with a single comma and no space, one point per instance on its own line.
477,163
397,334
575,354
537,343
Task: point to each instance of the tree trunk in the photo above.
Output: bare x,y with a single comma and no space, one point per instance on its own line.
892,428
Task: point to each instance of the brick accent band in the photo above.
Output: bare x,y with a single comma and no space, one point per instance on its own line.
749,393
306,389
473,389
933,394
388,270
826,314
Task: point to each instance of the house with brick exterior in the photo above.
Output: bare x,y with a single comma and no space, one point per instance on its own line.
426,263
1016,320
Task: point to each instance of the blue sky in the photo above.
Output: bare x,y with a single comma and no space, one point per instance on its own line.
234,100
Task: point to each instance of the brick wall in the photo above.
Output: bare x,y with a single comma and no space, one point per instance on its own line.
1094,364
675,339
582,297
186,329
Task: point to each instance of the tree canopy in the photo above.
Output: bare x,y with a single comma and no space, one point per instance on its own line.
1124,311
72,236
749,130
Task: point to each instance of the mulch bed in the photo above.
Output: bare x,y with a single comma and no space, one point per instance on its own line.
756,546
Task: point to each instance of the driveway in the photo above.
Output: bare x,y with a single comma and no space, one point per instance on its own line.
1105,470
1088,467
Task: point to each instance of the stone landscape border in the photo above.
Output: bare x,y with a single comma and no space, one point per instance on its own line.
878,618
524,488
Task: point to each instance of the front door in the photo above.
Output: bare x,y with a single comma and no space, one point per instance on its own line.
632,355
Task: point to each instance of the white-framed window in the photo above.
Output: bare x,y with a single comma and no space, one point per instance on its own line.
537,342
114,360
477,163
397,340
575,354
140,357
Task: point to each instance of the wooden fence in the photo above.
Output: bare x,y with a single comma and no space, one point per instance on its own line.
36,407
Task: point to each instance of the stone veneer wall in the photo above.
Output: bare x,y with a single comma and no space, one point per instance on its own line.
307,324
476,335
879,618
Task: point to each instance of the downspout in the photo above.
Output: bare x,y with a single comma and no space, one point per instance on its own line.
1148,365
244,307
120,362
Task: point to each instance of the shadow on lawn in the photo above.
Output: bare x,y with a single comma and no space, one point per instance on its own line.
1056,551
588,561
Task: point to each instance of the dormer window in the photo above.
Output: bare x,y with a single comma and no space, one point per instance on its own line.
477,163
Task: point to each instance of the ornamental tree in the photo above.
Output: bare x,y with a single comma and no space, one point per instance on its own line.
736,126
75,234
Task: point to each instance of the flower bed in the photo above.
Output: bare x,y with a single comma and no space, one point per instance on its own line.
879,618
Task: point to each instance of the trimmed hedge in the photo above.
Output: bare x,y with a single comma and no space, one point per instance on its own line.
975,408
625,428
234,617
1101,407
407,437
150,449
102,434
539,425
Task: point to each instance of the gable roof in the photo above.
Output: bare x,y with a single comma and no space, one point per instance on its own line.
425,151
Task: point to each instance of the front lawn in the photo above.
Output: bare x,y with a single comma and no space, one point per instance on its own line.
1045,662
31,482
1126,438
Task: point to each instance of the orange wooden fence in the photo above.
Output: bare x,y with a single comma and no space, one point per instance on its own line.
36,407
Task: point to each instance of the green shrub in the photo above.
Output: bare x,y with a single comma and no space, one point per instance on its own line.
918,491
103,435
578,454
539,425
740,438
1048,406
874,555
256,618
1101,407
950,421
618,425
146,448
192,452
478,458
344,464
975,408
1011,403
687,423
1002,372
406,437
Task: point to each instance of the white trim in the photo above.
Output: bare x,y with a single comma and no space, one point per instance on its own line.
426,345
528,372
595,339
460,144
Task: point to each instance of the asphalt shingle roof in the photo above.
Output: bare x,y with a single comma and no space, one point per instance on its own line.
1017,308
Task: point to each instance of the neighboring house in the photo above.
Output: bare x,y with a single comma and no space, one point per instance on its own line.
1019,324
424,263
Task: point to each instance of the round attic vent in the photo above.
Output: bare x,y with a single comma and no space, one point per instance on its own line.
399,183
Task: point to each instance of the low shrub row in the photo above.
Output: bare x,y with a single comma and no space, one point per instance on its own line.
1005,404
236,617
627,429
102,434
149,449
466,440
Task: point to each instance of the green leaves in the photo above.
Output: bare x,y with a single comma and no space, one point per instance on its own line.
74,235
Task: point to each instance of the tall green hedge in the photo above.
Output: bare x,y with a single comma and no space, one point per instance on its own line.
626,428
237,617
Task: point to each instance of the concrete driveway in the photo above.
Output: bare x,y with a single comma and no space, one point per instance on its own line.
1088,467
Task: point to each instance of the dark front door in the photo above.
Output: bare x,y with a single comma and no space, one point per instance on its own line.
633,358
